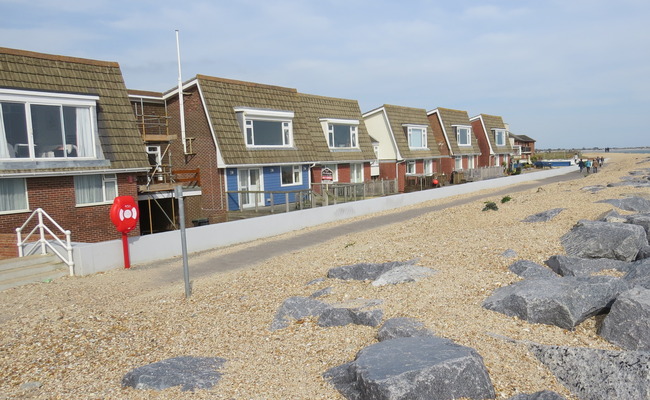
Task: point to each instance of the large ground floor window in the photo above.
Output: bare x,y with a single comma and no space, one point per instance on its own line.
13,195
95,189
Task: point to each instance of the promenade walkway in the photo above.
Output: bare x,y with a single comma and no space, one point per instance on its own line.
203,263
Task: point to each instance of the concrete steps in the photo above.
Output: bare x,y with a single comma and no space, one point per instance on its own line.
31,269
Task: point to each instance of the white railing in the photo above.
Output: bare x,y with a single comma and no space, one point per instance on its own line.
42,229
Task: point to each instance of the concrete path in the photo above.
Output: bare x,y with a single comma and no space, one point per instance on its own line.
203,265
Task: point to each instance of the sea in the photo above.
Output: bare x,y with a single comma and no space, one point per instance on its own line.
635,150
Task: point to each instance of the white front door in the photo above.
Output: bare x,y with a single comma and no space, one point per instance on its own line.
250,180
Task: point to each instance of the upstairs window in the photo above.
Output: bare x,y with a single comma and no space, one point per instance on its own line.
500,137
266,128
417,136
291,175
37,125
342,133
463,135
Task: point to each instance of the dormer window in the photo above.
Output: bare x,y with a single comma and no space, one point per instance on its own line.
417,136
500,137
341,133
266,128
463,135
35,125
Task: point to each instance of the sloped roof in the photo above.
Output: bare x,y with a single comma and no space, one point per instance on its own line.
118,132
522,138
450,118
398,116
316,107
492,122
221,96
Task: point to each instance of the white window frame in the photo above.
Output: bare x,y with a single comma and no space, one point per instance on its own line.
500,134
467,135
91,148
296,172
106,179
356,173
411,132
24,206
410,168
470,162
328,128
335,171
247,117
458,163
428,167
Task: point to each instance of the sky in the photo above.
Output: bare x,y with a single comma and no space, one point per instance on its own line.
568,73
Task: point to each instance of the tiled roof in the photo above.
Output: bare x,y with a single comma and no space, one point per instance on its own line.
221,96
118,132
316,107
495,122
522,138
451,118
398,116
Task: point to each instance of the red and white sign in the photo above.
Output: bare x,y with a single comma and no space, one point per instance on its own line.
124,213
327,175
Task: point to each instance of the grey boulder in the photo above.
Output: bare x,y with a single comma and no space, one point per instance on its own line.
365,271
628,322
295,308
403,274
637,204
543,216
597,239
575,266
402,327
529,269
357,312
594,374
413,368
563,302
638,274
190,373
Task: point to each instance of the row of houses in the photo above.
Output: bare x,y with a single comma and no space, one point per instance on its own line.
72,137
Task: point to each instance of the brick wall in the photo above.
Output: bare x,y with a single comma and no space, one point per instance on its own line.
483,144
56,196
212,203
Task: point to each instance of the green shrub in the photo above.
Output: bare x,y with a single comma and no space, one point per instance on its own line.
506,199
490,205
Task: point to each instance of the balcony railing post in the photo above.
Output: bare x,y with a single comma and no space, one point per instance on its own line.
41,232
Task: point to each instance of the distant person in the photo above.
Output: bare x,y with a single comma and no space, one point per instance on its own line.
581,165
588,165
594,165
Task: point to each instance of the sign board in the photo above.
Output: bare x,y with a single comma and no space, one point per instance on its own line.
124,213
327,175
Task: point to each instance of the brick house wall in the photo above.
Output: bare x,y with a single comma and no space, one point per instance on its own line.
446,163
484,146
213,202
56,196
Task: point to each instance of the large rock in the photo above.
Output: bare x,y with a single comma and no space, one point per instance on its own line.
530,269
358,312
190,373
637,204
597,239
413,368
403,274
593,374
575,266
543,395
402,327
638,274
628,322
642,220
543,216
564,302
365,271
295,308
